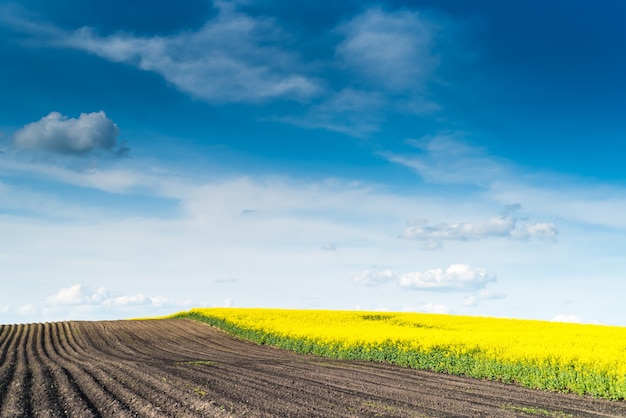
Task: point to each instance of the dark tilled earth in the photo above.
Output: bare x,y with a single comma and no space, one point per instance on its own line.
182,368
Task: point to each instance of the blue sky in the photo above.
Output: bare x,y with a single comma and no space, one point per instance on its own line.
449,157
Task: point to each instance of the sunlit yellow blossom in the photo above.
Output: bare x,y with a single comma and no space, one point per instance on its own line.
550,355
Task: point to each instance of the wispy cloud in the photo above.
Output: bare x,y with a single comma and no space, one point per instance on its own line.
387,60
446,158
350,111
379,62
233,58
392,51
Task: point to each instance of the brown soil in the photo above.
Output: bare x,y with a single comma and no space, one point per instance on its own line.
182,368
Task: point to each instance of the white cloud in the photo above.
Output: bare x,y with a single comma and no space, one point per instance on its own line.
542,230
82,302
375,277
433,235
59,134
80,295
278,245
77,295
456,278
139,299
392,50
232,58
239,58
421,229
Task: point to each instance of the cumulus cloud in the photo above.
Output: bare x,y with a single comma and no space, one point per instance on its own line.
63,135
79,302
456,278
232,58
506,225
77,295
80,295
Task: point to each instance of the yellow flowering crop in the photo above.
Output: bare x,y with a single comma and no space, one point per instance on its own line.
587,359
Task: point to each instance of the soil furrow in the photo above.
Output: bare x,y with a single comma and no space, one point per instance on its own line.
97,368
43,393
96,397
5,338
125,379
131,383
16,401
72,400
7,366
177,397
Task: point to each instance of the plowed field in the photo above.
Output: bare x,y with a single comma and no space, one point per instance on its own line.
181,368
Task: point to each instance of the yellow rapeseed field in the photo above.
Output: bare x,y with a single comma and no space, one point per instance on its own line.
586,359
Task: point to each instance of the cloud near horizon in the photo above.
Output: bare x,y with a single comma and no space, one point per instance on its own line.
80,295
455,278
78,300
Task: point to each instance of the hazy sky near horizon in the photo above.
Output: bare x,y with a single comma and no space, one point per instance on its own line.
432,156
